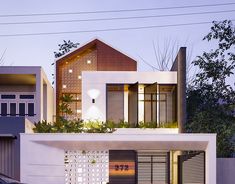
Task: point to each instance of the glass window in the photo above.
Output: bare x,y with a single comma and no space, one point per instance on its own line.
26,96
162,96
4,109
12,109
30,109
8,96
141,96
21,109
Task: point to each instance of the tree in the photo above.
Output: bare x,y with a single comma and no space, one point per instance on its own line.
210,99
165,55
65,48
64,105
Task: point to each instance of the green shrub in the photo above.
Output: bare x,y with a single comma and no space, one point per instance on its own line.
168,125
60,126
143,124
123,124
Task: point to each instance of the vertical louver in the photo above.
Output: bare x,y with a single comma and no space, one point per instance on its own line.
192,168
153,167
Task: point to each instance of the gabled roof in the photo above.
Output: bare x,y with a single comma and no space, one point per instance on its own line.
86,46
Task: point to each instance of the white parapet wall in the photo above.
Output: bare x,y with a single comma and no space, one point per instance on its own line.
140,131
43,156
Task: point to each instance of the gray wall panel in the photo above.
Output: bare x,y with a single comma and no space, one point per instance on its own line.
225,170
9,147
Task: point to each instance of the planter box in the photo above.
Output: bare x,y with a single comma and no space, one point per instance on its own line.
146,131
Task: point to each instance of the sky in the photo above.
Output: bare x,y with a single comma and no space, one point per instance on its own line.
38,50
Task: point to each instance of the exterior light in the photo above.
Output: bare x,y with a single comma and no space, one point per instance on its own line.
64,86
79,77
77,98
93,93
66,62
93,100
79,111
141,88
70,71
88,61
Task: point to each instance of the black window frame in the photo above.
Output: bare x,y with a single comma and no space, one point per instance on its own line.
22,114
7,96
12,113
26,96
31,113
3,114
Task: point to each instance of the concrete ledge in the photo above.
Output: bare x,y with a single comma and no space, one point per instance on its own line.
146,131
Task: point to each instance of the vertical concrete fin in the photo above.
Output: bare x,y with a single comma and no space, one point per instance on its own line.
179,65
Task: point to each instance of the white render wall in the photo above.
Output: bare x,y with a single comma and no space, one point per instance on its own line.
94,87
41,79
42,155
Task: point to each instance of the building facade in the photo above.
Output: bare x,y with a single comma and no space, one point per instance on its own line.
105,86
128,157
131,155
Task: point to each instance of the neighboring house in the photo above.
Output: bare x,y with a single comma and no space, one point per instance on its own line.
105,91
93,56
26,97
25,91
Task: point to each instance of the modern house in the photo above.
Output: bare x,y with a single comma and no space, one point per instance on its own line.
26,97
106,86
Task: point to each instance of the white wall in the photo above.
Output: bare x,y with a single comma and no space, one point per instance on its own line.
49,105
42,155
41,163
94,86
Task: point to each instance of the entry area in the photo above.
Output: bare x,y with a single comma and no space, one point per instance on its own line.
118,158
134,167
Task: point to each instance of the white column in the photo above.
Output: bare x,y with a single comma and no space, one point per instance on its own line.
211,161
39,95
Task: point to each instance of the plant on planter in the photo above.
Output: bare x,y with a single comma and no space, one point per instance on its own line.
93,161
123,124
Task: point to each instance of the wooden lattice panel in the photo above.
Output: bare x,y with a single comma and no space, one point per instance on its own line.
86,167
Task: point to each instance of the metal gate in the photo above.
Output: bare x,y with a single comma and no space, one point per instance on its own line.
191,168
153,168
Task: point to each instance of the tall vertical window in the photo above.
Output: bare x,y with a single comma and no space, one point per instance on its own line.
167,103
21,109
12,109
3,109
30,109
